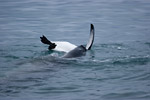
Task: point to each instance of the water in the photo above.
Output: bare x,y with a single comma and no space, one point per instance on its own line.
117,67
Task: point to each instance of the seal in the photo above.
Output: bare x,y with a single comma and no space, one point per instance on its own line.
70,49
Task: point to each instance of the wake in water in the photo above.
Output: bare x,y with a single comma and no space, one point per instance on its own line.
45,72
53,58
115,54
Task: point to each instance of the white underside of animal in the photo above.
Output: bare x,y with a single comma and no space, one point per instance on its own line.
63,46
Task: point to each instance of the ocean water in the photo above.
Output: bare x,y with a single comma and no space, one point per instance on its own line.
116,68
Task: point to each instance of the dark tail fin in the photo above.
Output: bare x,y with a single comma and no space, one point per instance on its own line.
91,39
46,41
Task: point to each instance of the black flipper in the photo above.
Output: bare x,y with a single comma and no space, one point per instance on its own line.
91,39
46,41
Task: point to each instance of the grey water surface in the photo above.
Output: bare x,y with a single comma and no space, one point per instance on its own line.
116,68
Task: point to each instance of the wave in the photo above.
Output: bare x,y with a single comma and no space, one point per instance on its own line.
85,61
126,95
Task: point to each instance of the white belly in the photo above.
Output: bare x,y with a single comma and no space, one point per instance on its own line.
63,46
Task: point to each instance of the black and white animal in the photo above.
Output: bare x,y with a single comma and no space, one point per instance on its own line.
70,49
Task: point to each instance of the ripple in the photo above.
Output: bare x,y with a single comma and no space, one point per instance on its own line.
128,60
58,90
126,95
142,60
139,77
